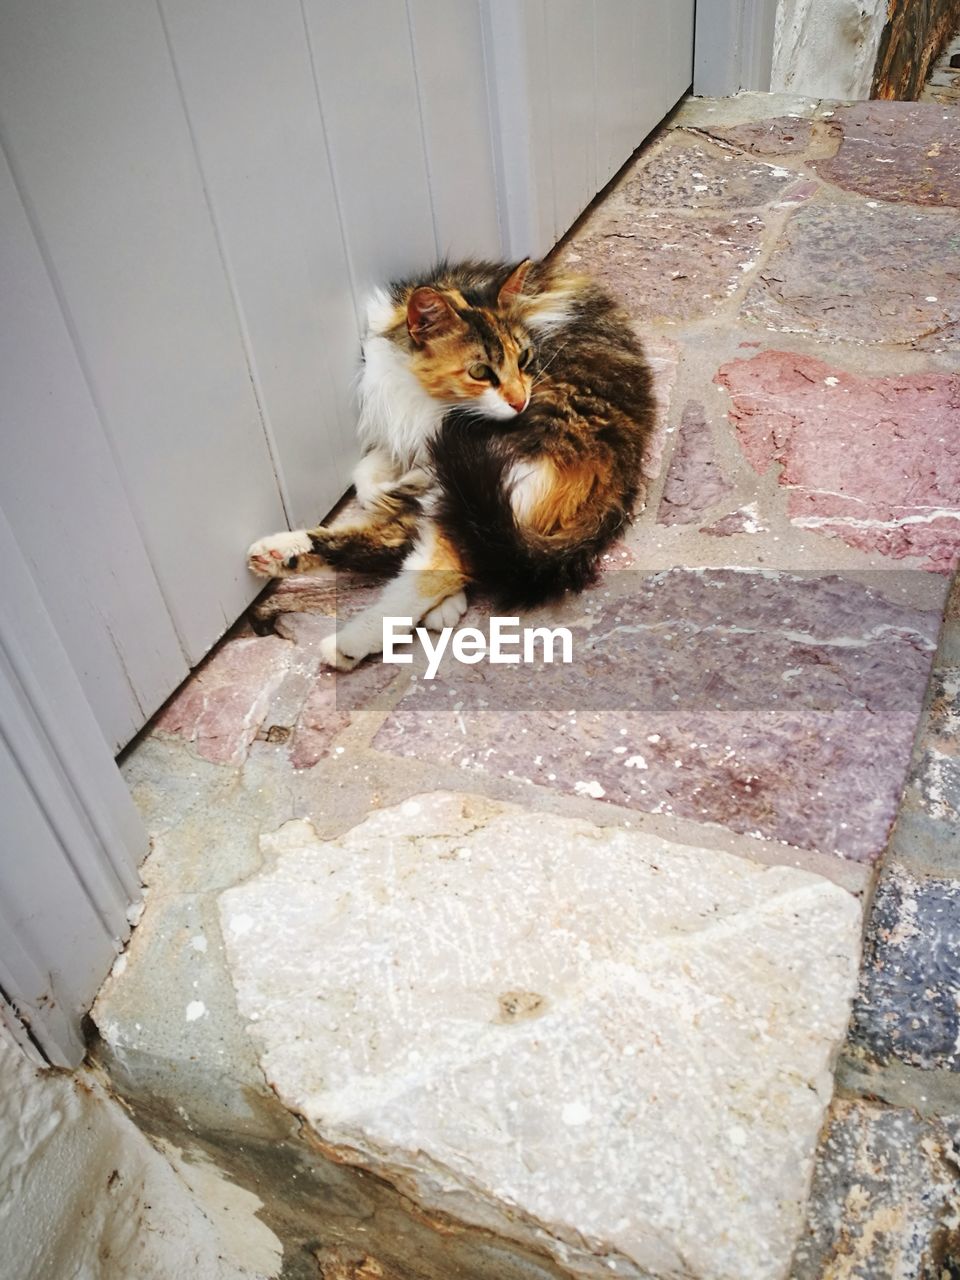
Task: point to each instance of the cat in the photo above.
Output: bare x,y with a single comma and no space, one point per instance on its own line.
504,414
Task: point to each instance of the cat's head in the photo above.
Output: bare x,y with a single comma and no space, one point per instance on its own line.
478,356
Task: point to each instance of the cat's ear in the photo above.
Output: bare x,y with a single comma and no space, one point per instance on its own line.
513,285
430,315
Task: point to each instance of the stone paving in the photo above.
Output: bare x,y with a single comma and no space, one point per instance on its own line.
553,971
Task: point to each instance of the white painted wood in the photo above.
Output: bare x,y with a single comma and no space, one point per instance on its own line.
734,46
588,82
515,63
452,87
96,134
62,493
367,90
247,81
71,836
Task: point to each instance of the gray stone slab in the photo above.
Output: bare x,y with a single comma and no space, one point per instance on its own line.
601,1044
908,1006
886,1198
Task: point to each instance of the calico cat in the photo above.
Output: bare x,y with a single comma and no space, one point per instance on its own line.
504,414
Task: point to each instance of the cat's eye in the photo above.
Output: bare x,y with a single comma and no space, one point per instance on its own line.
481,373
526,355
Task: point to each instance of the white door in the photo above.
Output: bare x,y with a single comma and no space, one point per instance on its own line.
194,197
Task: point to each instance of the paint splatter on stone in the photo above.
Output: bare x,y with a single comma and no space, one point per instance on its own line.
467,1017
222,706
781,705
704,178
668,268
909,1002
778,136
897,151
743,520
885,1199
696,481
874,461
886,274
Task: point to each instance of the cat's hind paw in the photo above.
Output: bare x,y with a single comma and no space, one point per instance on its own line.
333,655
279,554
447,613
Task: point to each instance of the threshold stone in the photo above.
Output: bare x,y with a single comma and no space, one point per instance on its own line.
610,1047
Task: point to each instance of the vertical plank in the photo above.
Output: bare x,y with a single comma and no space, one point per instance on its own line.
64,498
368,95
570,57
95,132
245,71
617,124
515,67
448,58
72,838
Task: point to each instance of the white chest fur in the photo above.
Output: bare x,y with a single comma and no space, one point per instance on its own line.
396,413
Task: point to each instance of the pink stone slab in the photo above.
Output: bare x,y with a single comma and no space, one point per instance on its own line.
897,151
781,705
222,705
874,461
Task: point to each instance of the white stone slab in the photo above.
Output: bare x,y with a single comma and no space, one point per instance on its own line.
615,1048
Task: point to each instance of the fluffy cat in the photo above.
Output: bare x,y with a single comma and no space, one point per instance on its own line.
504,413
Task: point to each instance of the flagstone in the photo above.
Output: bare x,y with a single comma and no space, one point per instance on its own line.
885,1198
221,708
901,152
663,266
908,1007
685,175
695,481
874,461
865,272
634,1090
781,705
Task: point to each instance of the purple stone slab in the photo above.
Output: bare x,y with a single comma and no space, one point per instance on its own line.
781,705
908,1006
874,461
883,1201
668,267
696,177
889,274
897,151
696,481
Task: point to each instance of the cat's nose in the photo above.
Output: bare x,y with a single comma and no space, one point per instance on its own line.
516,398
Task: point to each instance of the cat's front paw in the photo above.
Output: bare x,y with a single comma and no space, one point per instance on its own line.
279,554
333,655
447,613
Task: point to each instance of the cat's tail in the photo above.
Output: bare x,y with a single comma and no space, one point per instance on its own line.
516,565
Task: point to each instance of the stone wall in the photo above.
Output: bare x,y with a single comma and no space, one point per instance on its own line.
827,48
